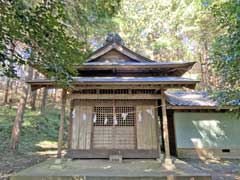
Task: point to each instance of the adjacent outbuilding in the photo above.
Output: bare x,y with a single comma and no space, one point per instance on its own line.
200,128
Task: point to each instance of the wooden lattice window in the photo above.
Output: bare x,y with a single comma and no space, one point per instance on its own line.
143,91
113,91
102,113
86,91
104,116
130,118
117,91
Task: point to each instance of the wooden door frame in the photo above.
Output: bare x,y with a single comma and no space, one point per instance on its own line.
127,153
114,127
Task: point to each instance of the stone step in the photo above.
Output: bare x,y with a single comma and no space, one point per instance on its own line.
110,178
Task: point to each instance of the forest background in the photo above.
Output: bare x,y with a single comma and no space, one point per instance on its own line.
42,38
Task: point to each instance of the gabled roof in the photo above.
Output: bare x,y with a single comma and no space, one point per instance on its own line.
119,48
114,59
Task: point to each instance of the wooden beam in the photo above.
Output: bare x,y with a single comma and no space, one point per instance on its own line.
117,87
115,96
70,125
61,125
201,107
133,85
105,153
125,85
165,129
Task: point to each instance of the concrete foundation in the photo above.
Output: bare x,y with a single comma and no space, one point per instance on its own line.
106,170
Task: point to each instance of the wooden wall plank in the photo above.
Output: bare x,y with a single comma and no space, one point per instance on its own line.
89,111
70,125
139,123
146,128
85,126
75,125
81,128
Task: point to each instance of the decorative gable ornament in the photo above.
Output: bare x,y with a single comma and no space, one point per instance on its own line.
115,43
114,37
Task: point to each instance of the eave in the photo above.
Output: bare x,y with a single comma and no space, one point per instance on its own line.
171,69
119,82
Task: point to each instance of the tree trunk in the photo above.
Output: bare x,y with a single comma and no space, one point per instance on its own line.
16,87
205,55
33,100
11,99
44,100
20,112
203,83
5,100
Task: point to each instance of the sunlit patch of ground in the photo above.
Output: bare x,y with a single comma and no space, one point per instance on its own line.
219,169
47,144
48,148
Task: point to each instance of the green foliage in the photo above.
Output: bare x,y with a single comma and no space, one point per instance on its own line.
36,129
188,30
91,20
40,35
37,36
226,48
164,30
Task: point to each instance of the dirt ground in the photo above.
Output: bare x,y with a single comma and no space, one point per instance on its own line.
13,162
219,169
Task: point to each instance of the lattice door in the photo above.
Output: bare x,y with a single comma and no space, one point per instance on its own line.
114,134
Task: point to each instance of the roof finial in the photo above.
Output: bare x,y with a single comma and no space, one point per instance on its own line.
114,37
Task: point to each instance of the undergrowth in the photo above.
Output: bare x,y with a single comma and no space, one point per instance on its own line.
36,129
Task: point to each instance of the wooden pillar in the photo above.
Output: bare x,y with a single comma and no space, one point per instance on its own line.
70,125
61,126
158,131
165,130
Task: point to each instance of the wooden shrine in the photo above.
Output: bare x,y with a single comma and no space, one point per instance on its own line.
117,105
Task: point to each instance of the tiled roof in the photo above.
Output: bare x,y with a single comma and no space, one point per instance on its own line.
182,98
120,80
